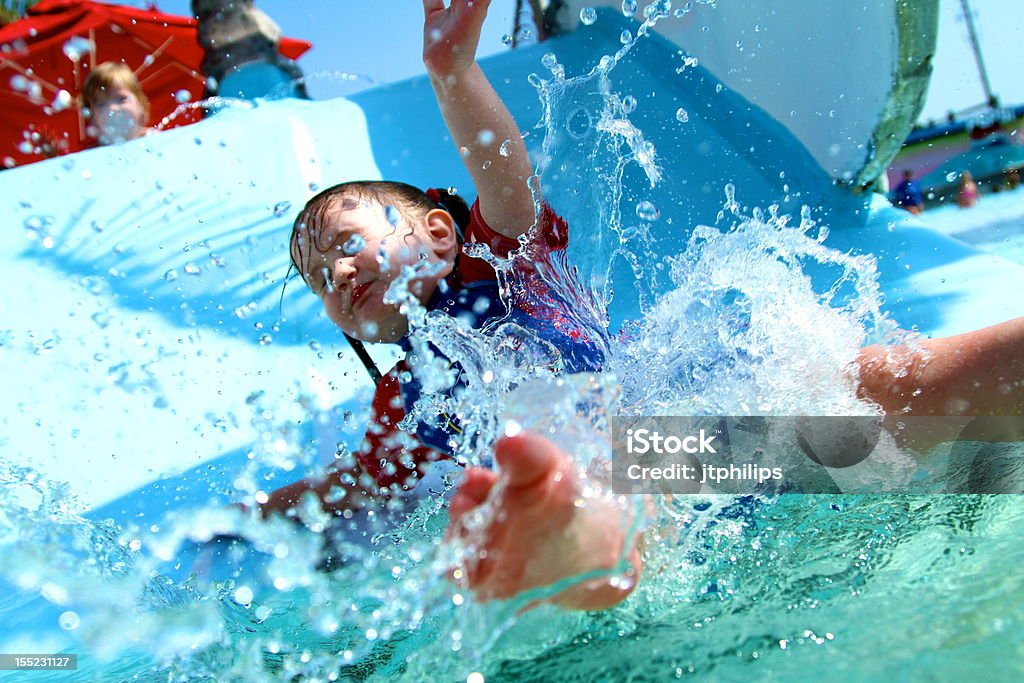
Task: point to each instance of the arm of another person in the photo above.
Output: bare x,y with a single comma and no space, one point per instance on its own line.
478,120
977,374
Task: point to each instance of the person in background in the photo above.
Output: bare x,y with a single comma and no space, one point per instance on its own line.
114,104
908,194
967,196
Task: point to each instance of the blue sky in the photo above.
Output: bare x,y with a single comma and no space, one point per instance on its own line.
379,41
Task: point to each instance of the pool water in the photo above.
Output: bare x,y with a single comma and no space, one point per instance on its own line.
995,224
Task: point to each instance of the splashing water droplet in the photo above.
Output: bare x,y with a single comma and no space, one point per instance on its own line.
20,83
682,116
485,137
182,96
647,211
628,104
171,275
625,37
452,190
69,620
588,15
62,101
266,340
549,60
504,149
191,269
77,47
392,214
629,7
353,245
313,187
281,208
506,39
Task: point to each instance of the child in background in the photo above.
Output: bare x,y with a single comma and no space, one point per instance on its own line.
967,195
115,105
351,243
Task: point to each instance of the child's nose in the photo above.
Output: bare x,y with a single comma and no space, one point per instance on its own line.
344,271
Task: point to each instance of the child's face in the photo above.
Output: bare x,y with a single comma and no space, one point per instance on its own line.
118,116
358,253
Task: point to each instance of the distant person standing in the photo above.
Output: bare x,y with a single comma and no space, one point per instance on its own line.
968,194
908,194
115,105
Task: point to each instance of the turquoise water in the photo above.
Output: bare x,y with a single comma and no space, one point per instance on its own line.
790,588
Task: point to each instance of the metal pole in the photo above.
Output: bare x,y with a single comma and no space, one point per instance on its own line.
992,100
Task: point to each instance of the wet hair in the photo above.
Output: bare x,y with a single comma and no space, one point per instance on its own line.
409,200
108,76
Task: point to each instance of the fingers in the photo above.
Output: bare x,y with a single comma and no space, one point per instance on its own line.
527,458
431,6
473,491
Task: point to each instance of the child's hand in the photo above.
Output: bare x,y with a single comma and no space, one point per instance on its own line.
540,532
451,35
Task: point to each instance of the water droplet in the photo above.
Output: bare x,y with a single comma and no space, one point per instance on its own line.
486,137
191,269
62,101
243,595
525,34
313,187
77,47
682,116
625,37
506,39
281,208
452,190
629,7
20,83
182,96
588,15
266,340
647,211
69,620
628,104
171,275
504,149
102,318
354,245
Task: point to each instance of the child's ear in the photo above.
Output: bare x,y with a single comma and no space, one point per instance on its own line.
441,228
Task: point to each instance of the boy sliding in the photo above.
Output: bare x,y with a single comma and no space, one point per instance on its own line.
352,242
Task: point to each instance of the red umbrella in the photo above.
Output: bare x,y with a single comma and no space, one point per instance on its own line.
45,57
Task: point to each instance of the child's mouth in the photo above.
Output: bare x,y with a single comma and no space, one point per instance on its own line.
357,293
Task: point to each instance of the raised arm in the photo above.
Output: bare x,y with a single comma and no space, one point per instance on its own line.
479,122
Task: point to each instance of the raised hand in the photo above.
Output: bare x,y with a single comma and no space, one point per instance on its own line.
542,529
451,34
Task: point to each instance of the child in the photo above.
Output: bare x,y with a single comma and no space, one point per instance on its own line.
351,242
391,225
116,107
967,195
